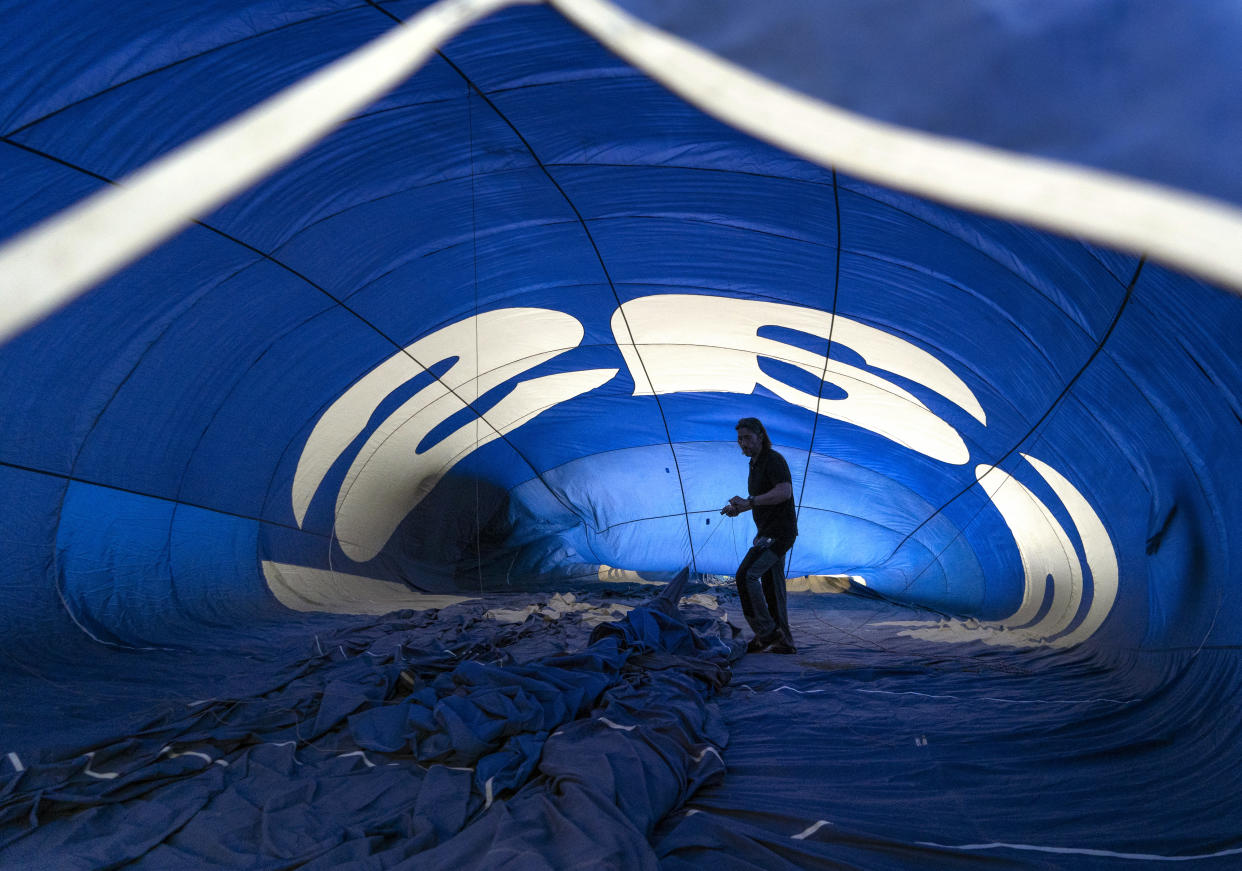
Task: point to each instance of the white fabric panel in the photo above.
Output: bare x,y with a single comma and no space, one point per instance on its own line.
674,343
301,588
390,475
1045,550
1097,546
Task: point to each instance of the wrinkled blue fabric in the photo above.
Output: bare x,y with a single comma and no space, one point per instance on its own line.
877,750
382,746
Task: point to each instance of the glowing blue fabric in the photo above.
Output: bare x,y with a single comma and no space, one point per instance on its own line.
1030,436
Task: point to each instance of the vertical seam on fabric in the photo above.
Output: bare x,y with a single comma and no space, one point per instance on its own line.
472,87
474,263
819,398
611,286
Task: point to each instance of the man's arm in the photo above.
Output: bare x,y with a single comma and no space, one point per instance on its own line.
778,494
775,496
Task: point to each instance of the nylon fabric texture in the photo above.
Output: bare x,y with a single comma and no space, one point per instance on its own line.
335,526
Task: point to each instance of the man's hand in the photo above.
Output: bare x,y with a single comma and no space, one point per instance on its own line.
735,507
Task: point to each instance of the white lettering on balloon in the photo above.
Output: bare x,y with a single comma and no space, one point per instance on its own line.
677,343
1047,555
682,343
390,475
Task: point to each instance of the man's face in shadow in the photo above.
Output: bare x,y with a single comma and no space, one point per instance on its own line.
749,441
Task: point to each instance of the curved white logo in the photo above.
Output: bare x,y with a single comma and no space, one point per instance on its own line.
690,345
677,343
390,474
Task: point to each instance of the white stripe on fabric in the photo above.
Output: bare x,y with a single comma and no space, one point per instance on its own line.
17,762
810,830
1006,701
796,690
611,725
195,753
50,264
1097,547
358,753
705,751
1085,851
294,745
1193,233
98,775
167,749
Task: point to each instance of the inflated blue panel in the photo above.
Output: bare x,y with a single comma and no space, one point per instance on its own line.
159,412
156,585
51,425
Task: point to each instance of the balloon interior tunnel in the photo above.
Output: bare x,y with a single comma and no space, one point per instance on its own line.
370,377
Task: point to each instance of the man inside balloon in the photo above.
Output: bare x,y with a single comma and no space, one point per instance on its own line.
761,576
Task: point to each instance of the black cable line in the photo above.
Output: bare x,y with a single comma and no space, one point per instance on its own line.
1048,411
836,289
474,262
78,479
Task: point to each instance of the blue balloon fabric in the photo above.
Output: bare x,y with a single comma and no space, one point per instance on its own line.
484,343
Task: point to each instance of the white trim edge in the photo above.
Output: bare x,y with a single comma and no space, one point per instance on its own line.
1192,233
49,264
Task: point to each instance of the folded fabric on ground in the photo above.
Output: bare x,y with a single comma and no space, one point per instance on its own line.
386,746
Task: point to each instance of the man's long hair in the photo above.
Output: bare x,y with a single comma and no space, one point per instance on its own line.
753,424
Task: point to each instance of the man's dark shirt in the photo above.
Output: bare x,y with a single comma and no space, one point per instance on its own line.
767,469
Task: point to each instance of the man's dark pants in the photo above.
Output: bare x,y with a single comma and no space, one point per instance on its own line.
761,587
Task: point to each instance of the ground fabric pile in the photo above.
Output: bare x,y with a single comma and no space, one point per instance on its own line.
387,749
451,740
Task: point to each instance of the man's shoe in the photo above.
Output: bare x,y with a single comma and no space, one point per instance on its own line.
757,645
782,648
